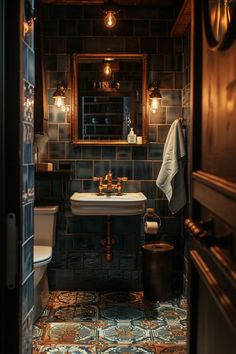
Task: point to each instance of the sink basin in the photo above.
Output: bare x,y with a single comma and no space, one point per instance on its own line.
108,204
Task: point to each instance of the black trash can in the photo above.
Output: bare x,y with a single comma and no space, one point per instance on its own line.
157,270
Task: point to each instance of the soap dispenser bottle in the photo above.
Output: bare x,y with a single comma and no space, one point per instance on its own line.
131,137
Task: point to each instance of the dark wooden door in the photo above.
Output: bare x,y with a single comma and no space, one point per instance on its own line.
212,227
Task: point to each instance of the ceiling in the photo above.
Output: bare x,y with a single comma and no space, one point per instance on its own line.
120,2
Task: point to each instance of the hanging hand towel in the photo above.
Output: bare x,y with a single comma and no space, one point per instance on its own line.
171,176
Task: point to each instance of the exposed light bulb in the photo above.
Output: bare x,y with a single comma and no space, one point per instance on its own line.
58,101
107,69
155,103
110,19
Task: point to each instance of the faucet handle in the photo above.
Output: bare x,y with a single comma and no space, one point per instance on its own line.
122,179
96,179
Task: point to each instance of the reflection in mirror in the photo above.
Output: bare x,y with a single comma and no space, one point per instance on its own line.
108,98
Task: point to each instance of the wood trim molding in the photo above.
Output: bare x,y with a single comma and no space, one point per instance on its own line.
216,194
183,20
222,299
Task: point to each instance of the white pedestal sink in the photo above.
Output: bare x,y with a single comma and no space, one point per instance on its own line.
108,204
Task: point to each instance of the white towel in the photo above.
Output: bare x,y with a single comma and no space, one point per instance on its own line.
171,176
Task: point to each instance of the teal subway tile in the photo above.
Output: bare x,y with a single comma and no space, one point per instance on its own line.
53,132
155,151
56,150
173,113
31,66
84,169
123,153
73,152
159,117
142,170
90,186
149,189
171,97
139,153
91,152
108,152
56,115
27,258
156,166
162,132
101,168
121,169
64,132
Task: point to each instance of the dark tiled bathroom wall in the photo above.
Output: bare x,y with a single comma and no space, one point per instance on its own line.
78,261
28,167
186,115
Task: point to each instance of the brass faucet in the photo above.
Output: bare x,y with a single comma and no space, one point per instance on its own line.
109,186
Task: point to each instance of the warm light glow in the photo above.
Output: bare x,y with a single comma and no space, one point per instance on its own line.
107,69
59,101
155,103
110,19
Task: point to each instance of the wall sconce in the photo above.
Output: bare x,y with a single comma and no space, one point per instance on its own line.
111,9
29,16
154,96
59,95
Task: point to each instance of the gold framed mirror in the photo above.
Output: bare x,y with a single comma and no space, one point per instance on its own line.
109,96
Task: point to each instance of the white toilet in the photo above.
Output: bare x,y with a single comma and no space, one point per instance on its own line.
44,241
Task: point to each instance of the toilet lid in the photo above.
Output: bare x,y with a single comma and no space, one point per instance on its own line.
42,253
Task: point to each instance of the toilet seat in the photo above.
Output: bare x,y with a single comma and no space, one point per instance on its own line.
42,255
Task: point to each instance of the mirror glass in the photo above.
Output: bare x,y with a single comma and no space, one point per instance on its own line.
108,97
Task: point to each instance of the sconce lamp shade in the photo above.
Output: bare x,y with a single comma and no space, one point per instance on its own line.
59,95
154,96
111,9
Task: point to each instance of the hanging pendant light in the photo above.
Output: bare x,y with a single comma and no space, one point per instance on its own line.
110,9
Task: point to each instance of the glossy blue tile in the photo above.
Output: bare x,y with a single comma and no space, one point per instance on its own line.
121,169
31,66
101,168
73,152
142,170
84,169
75,186
171,97
123,153
152,133
28,295
90,186
156,166
91,152
159,117
173,113
25,61
64,132
108,152
56,150
27,258
155,151
53,132
149,189
55,114
139,153
28,221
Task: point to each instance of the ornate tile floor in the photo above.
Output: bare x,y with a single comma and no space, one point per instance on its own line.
87,322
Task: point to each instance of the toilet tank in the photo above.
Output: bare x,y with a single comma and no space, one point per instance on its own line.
45,225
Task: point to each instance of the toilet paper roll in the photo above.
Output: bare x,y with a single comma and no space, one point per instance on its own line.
151,227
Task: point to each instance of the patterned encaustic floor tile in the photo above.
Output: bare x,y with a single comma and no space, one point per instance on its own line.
84,322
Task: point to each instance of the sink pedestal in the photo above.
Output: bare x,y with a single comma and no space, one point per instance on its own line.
109,204
108,242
